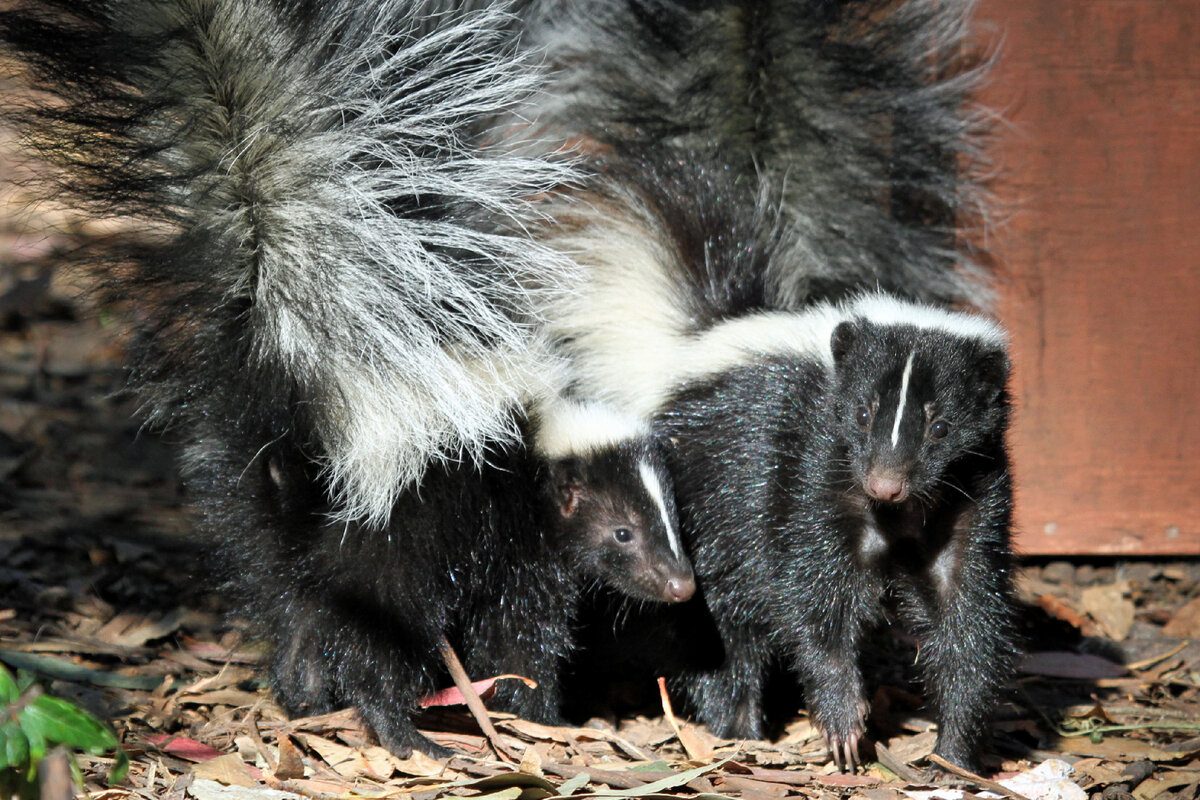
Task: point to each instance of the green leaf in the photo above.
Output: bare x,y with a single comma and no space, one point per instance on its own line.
653,766
25,679
120,769
76,772
574,784
62,722
511,793
16,748
37,743
8,687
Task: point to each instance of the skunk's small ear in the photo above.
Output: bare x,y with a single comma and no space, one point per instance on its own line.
566,480
991,370
842,340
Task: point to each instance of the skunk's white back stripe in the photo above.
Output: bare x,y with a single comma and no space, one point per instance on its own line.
903,398
884,309
654,487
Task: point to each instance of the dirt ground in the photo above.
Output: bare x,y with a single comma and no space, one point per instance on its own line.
104,593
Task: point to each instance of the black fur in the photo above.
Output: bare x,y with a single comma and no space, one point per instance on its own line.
610,529
481,555
770,468
854,115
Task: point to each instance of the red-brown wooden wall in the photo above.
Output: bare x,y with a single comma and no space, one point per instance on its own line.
1101,190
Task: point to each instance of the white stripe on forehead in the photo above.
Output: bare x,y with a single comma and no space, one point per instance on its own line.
903,397
654,487
884,309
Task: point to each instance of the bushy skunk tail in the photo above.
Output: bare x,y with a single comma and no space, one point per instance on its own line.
855,116
320,217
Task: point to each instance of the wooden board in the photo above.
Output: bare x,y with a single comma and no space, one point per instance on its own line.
1101,188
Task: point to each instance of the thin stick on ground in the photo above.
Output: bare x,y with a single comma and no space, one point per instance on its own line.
978,780
474,703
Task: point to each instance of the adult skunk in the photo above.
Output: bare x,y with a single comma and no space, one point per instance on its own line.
853,120
494,558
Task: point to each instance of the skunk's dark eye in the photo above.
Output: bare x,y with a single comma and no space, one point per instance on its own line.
863,416
623,535
939,429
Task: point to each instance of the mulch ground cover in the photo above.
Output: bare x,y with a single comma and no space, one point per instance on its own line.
104,593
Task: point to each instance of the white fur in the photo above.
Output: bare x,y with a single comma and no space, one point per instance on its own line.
903,398
884,309
944,571
404,354
568,428
632,342
871,544
625,323
653,484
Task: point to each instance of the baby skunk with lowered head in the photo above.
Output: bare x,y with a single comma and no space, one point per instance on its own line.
873,465
493,558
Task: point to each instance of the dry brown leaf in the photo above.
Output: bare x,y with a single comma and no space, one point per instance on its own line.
1153,787
696,748
228,676
912,748
220,697
418,765
315,788
1115,748
345,761
291,764
1059,608
228,769
1096,772
1110,606
1185,624
134,630
748,787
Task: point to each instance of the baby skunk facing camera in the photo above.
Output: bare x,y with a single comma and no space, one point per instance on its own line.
493,558
873,467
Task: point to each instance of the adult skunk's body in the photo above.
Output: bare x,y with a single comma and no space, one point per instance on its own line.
492,557
849,120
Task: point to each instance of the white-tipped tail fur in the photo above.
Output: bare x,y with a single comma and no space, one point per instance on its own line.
406,323
340,222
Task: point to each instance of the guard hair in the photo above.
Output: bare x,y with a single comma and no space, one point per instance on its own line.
315,208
